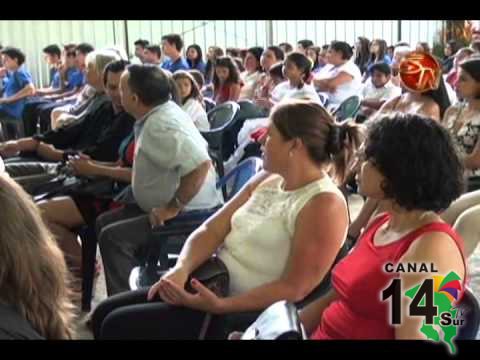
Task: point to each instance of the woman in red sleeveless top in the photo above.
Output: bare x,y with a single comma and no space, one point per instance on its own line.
415,186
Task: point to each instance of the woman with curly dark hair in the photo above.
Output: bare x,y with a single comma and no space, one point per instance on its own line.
421,182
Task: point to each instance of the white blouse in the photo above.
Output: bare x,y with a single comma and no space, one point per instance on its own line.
285,91
257,249
250,84
198,114
345,90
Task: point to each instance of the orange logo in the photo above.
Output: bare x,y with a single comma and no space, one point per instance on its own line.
420,72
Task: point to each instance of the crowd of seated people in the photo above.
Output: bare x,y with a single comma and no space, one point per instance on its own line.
138,125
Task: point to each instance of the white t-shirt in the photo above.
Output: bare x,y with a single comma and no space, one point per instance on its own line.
198,114
386,92
285,91
169,146
345,90
250,84
452,95
257,248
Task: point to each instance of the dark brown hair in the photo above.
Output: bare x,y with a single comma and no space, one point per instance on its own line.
325,140
195,93
233,73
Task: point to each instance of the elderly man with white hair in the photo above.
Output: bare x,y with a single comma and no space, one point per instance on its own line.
400,51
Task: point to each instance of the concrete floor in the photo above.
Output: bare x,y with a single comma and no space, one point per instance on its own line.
355,203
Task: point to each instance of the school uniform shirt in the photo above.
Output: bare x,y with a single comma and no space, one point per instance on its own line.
56,80
384,93
344,91
14,82
197,113
172,66
75,78
285,91
200,66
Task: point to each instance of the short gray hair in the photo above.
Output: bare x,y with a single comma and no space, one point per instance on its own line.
99,59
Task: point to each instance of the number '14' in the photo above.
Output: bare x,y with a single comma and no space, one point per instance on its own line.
427,310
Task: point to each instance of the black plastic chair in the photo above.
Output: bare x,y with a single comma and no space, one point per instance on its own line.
209,104
248,110
471,313
221,119
161,252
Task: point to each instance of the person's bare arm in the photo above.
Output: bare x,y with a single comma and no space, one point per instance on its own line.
311,315
10,148
204,241
363,217
65,94
208,237
331,85
472,160
27,91
373,104
432,110
389,105
48,152
190,185
48,91
311,257
92,168
235,92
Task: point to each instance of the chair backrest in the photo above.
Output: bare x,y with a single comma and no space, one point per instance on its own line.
222,114
471,313
240,175
348,108
247,110
323,98
209,104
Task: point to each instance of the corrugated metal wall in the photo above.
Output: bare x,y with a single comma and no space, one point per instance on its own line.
32,36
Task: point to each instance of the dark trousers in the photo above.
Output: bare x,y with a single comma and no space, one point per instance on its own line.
38,112
121,234
129,315
31,115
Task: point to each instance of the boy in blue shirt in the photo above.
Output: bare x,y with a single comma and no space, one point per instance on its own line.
172,46
52,55
17,83
67,80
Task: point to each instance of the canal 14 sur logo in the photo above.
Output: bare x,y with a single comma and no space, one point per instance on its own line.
435,299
